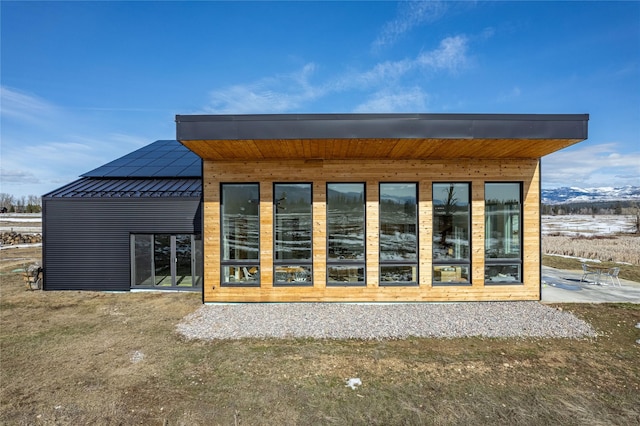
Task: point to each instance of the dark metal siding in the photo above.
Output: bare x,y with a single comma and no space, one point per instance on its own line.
86,241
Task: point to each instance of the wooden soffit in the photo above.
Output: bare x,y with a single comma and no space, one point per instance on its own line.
403,149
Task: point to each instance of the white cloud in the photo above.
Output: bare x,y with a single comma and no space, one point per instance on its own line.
294,91
24,107
591,165
272,94
411,99
388,70
18,176
410,15
450,55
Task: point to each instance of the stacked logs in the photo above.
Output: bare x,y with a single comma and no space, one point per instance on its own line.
12,238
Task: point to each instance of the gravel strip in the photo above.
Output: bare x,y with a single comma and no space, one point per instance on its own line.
381,321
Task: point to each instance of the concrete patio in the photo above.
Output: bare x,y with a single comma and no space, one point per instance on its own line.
564,286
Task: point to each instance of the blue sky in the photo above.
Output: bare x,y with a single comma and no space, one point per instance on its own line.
84,83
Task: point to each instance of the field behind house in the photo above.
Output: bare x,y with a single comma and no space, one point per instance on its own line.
567,241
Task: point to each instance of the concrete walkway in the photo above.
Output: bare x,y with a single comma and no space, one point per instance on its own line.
562,286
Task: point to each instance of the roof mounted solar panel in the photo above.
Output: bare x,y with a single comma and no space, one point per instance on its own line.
162,158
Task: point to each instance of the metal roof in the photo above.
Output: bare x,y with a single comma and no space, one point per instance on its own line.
381,126
160,159
88,187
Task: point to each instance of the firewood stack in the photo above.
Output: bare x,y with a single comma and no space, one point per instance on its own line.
13,238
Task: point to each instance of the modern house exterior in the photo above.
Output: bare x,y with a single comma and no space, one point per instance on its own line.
315,207
134,223
373,207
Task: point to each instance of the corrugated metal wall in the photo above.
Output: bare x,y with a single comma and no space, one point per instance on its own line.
86,241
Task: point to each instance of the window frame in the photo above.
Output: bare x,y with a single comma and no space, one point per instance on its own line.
452,263
359,264
505,261
241,264
399,263
292,262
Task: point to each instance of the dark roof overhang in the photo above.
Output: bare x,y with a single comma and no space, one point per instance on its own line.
394,136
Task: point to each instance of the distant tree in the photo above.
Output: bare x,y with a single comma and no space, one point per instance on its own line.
6,200
618,208
636,220
34,204
29,204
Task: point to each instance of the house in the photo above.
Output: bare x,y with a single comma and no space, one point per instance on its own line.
134,223
373,207
319,207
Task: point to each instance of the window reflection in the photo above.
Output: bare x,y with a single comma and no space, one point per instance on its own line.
451,225
293,234
240,234
503,256
398,233
345,233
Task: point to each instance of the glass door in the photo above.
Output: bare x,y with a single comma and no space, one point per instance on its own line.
182,249
166,261
162,260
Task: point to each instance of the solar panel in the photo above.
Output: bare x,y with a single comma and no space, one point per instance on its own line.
163,158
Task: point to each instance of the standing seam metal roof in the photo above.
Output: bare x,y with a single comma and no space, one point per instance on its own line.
129,188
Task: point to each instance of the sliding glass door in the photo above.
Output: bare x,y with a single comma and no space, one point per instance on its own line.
166,261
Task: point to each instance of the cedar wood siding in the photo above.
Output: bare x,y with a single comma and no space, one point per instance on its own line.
372,172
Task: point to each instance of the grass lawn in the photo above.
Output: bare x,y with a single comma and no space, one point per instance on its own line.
116,358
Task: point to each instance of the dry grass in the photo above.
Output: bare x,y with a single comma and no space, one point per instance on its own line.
614,248
115,358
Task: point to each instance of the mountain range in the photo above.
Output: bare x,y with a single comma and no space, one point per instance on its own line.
585,195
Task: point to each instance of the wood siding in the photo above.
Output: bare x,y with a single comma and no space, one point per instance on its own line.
393,149
373,172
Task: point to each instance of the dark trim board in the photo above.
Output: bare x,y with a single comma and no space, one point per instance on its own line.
381,126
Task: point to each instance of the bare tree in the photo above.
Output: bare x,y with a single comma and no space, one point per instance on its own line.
34,204
6,200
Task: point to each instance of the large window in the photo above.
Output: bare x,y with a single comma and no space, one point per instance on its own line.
240,234
451,242
345,234
502,241
398,237
293,228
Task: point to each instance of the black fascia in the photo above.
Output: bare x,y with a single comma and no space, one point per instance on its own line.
381,126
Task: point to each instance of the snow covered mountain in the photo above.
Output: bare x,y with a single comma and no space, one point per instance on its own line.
582,195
